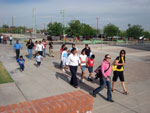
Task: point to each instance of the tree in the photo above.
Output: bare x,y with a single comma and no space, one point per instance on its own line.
122,34
135,31
75,28
111,30
87,30
55,29
146,34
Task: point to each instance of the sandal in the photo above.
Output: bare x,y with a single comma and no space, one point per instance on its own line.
125,93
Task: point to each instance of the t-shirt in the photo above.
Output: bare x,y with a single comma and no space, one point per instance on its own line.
10,38
21,62
40,47
83,58
50,45
64,55
91,62
30,45
87,51
72,48
44,43
121,60
38,58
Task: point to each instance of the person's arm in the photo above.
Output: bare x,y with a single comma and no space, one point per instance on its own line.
118,64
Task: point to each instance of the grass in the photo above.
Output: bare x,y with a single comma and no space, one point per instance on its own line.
4,75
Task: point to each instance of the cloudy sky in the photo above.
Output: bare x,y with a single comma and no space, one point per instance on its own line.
118,12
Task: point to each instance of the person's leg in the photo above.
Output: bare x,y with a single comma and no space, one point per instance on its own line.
52,52
22,67
109,95
115,77
44,52
73,81
121,77
75,76
102,86
71,70
28,53
17,53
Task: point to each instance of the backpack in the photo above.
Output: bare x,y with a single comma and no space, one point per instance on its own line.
98,72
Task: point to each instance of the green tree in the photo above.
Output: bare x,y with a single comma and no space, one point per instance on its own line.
75,28
135,31
146,34
55,29
111,30
122,34
87,30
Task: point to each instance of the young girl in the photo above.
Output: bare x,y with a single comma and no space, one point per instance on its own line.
64,58
83,59
90,65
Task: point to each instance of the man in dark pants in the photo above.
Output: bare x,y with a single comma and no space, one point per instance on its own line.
17,47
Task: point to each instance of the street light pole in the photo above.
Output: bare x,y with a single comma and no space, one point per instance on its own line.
97,26
63,14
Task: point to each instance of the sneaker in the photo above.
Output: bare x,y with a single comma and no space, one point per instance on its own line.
90,79
94,95
82,80
110,100
63,70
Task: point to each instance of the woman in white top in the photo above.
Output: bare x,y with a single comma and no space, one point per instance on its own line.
40,48
73,62
83,60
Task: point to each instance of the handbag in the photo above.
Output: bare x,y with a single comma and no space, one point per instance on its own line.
99,72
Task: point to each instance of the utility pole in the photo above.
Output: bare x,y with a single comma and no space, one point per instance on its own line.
34,22
97,26
63,13
12,20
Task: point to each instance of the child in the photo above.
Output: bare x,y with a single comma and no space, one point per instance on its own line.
51,52
64,58
38,59
21,62
90,65
83,59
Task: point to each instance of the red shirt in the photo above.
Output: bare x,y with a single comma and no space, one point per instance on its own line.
91,62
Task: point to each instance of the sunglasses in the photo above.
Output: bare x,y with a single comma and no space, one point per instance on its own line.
108,57
122,53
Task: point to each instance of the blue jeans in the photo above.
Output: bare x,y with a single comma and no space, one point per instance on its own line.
103,83
30,53
44,52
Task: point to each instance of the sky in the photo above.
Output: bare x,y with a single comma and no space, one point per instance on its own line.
118,12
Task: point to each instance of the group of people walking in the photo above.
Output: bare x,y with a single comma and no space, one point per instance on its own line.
5,38
70,58
39,48
86,60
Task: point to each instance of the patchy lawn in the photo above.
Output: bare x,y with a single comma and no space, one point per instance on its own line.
4,75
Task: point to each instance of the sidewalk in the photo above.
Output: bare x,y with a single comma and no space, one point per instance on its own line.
48,80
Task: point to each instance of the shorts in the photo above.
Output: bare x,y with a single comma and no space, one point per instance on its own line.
90,69
118,74
83,67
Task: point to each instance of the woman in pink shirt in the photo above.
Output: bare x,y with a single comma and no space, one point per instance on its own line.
105,79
